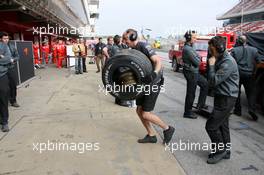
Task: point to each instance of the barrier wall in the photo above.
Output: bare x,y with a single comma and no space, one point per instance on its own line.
25,65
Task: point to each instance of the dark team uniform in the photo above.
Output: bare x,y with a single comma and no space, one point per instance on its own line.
148,101
12,76
191,62
246,57
224,78
5,60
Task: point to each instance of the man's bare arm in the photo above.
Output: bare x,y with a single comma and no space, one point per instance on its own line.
157,63
105,50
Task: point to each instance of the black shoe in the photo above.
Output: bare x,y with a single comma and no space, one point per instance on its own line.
205,107
15,105
200,108
216,157
192,116
5,128
237,112
85,71
98,71
168,134
124,103
253,115
37,66
227,156
77,73
196,110
148,139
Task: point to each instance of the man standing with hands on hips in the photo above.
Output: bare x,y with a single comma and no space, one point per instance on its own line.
146,103
223,77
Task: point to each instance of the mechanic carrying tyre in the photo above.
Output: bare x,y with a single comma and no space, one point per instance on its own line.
139,68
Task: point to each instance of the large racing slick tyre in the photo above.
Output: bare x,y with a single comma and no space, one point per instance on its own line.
123,74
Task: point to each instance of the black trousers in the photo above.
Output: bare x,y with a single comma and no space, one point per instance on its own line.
217,126
194,79
12,77
4,94
84,64
250,88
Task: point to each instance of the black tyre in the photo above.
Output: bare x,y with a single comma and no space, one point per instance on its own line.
124,74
